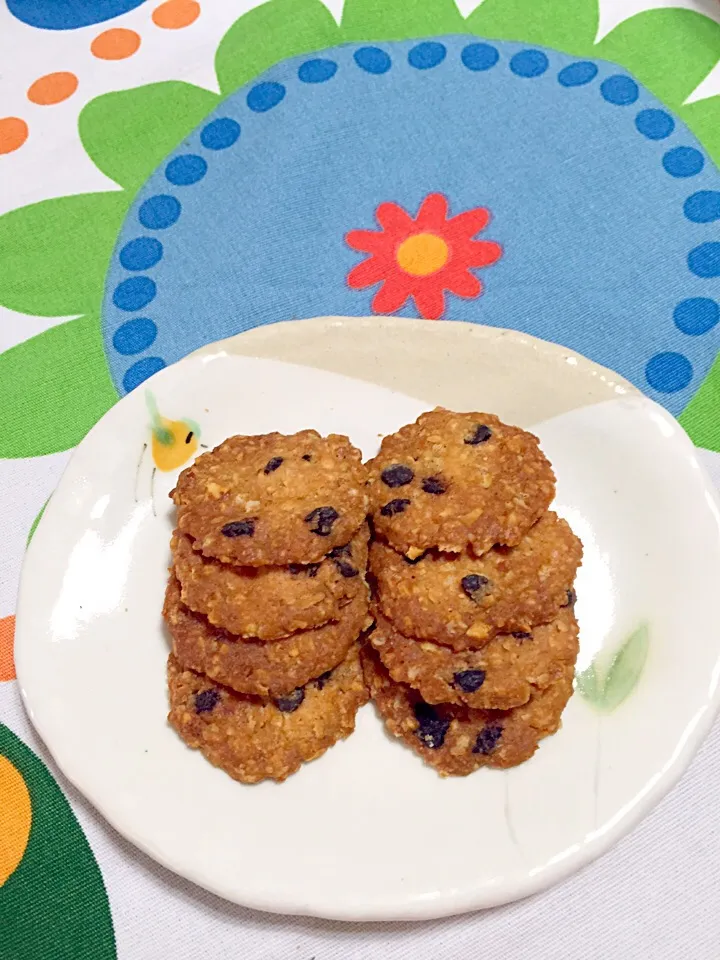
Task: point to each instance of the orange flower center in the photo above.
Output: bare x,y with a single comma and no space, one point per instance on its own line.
422,254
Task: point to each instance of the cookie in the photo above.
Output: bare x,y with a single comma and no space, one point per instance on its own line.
463,601
273,499
503,674
450,480
457,740
253,739
271,602
255,667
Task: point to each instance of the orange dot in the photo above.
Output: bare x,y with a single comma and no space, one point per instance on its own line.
115,44
7,639
13,133
175,14
53,88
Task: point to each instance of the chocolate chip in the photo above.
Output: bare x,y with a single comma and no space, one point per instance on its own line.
469,680
323,679
324,518
434,485
432,727
414,560
345,569
481,434
306,456
395,506
475,586
336,552
240,528
206,701
272,465
521,635
291,702
571,598
397,475
311,569
487,739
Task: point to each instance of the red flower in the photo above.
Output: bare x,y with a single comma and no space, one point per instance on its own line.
422,258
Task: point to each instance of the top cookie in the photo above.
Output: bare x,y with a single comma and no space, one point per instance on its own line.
450,480
273,499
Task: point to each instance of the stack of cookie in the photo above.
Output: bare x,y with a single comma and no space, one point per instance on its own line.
472,658
266,600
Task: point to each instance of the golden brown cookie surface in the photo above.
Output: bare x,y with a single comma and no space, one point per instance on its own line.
271,668
463,601
457,740
273,499
253,739
450,480
271,602
505,673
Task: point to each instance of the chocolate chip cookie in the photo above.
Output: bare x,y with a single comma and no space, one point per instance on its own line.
463,601
254,739
254,667
503,674
457,740
452,480
273,499
267,603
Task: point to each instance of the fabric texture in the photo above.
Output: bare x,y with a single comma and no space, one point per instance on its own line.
147,146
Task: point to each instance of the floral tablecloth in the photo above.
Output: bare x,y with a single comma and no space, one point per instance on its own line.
176,172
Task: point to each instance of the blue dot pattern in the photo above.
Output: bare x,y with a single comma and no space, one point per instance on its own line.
427,55
134,293
577,74
703,206
317,71
159,212
220,134
669,372
135,335
141,253
671,334
696,316
372,60
140,371
186,170
704,260
619,90
529,63
479,56
654,124
683,162
265,96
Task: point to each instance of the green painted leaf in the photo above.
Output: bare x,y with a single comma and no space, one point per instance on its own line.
701,417
54,905
669,51
625,669
54,388
588,685
400,19
703,118
544,22
35,523
128,133
270,33
54,254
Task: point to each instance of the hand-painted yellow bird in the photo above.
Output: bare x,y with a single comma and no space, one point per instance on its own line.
174,442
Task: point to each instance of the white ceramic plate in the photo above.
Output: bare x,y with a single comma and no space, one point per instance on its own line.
367,831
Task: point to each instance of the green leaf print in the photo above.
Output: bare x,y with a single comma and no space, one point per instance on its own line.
400,19
701,417
607,692
544,22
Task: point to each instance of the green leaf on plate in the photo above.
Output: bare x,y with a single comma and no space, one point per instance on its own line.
626,667
607,692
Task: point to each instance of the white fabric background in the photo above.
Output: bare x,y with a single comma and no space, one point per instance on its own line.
656,896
